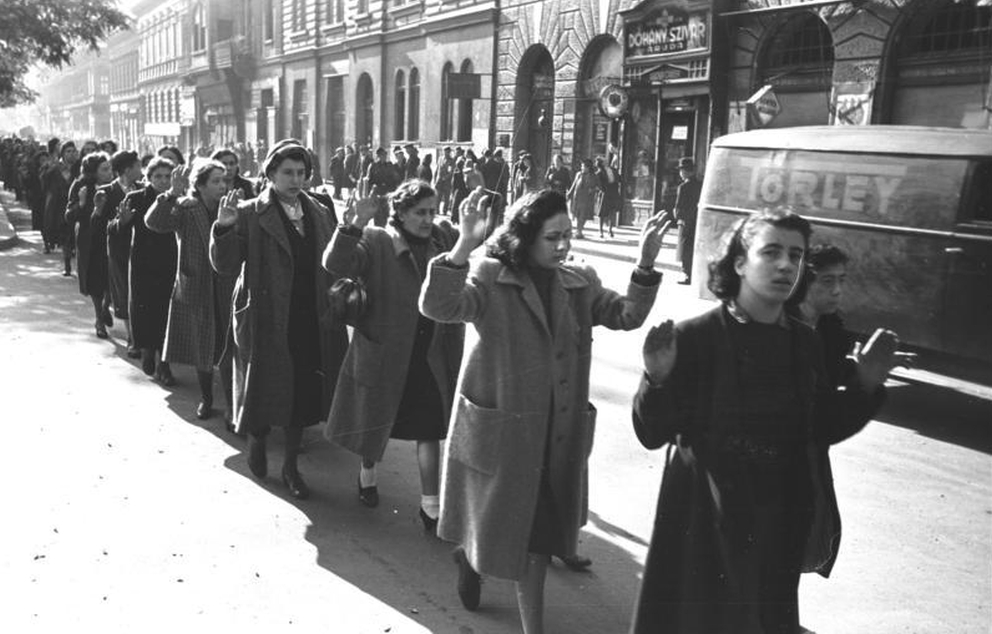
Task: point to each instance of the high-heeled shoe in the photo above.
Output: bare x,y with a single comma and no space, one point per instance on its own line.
204,409
258,462
369,496
578,563
297,487
469,582
430,523
101,330
163,374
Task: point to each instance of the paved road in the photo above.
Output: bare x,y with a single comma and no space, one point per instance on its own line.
122,510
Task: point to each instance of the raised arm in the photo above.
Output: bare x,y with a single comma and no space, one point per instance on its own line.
229,235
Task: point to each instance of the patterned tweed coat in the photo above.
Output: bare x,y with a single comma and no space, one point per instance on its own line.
201,299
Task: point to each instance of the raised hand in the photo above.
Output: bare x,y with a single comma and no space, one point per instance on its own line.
180,179
227,213
364,211
876,358
652,236
474,212
124,213
659,351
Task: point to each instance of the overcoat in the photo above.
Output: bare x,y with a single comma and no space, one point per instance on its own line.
519,375
91,239
700,575
197,310
55,185
257,252
118,248
152,274
374,373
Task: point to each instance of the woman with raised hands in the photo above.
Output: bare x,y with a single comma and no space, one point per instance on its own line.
515,465
201,298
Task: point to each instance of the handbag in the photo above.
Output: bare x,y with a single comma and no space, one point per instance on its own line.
349,301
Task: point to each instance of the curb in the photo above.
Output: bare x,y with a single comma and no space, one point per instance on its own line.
8,235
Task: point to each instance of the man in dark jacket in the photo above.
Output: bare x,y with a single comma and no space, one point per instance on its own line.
686,203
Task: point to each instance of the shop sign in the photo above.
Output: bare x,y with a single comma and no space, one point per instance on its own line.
670,31
763,106
464,86
613,101
851,102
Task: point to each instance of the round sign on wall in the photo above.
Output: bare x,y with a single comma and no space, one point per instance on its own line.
613,101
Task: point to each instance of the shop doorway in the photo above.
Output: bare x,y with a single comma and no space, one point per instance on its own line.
535,106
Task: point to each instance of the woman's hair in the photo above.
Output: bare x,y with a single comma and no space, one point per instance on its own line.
408,195
587,162
202,170
65,147
91,162
88,148
221,153
724,282
511,243
121,161
158,162
174,150
818,257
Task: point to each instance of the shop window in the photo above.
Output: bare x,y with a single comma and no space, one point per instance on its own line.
954,27
400,114
446,113
413,132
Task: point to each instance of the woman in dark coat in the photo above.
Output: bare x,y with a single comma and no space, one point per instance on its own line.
91,235
233,176
409,397
611,202
459,188
154,257
34,167
288,348
741,395
127,167
56,182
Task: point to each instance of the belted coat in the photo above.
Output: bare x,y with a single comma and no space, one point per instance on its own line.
197,311
257,252
374,373
521,373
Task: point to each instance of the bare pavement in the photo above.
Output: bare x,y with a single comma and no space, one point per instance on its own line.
123,513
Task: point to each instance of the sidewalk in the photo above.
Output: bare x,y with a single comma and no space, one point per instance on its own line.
623,246
8,235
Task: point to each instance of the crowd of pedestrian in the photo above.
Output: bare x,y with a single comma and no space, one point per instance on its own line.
466,322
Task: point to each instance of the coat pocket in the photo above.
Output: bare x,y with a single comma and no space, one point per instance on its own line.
477,437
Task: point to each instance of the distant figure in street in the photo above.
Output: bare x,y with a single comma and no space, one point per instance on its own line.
558,177
686,209
232,175
56,181
742,397
381,180
610,200
442,184
583,195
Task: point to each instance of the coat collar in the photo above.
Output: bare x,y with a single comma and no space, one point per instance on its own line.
567,280
268,206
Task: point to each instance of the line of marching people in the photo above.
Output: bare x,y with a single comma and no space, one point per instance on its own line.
484,339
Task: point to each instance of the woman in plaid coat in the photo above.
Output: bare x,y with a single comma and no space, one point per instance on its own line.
201,298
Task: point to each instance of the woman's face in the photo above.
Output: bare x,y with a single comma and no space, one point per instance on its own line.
289,178
230,164
419,219
553,241
70,156
104,173
770,268
161,179
215,186
826,289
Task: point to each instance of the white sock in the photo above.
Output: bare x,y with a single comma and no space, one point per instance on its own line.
431,505
367,477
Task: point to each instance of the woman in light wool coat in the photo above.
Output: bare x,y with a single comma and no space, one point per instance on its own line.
521,426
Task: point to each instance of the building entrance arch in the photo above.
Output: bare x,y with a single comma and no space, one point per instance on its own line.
535,107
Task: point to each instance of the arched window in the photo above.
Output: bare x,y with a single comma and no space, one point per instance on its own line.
465,110
413,131
364,109
400,117
798,61
937,71
446,114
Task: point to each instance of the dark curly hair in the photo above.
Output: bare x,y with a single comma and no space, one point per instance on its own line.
407,195
174,150
123,160
819,257
724,282
511,243
91,162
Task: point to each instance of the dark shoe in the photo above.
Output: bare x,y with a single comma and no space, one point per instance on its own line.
67,273
133,353
48,249
369,496
430,523
577,563
108,319
685,281
164,376
257,459
469,582
101,331
611,232
148,362
297,487
204,410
